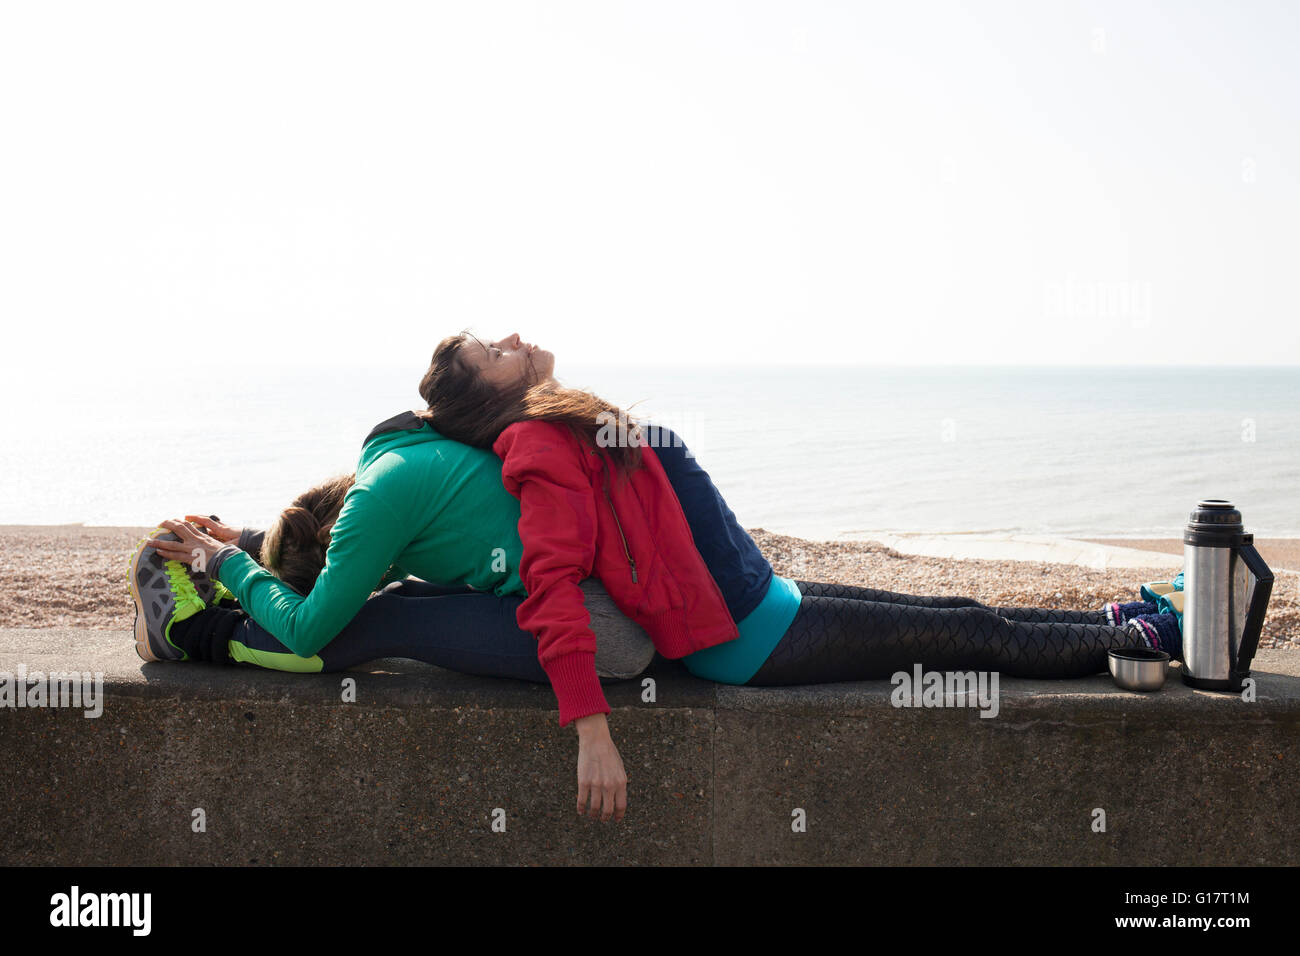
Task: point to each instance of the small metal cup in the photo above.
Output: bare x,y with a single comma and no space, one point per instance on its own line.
1138,668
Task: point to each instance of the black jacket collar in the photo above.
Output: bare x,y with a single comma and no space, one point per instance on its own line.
401,422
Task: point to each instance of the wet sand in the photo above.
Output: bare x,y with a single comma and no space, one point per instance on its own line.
1276,552
74,576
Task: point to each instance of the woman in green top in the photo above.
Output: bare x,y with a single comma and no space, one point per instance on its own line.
419,504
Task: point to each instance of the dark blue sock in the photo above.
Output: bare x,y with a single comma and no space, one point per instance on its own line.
1162,632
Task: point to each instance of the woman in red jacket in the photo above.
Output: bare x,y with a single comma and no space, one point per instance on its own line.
651,526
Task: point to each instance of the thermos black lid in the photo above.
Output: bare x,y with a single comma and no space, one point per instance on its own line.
1215,523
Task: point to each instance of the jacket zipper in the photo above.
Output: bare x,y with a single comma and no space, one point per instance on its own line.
620,533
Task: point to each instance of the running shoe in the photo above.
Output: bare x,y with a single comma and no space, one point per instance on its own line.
164,592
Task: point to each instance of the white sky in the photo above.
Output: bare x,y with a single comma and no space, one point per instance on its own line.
745,182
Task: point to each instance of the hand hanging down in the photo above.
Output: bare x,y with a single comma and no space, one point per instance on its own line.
601,777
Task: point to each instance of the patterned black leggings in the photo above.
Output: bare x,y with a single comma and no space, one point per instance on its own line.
846,633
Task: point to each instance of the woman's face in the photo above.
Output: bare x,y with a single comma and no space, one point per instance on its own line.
507,361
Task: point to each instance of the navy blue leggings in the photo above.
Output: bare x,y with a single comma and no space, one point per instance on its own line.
472,632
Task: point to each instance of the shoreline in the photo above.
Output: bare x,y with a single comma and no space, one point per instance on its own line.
1098,552
76,575
1280,554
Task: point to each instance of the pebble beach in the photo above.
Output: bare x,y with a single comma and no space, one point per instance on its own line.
75,576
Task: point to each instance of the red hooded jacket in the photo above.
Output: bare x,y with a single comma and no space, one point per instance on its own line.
578,518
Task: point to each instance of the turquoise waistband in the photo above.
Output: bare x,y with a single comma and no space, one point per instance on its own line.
737,661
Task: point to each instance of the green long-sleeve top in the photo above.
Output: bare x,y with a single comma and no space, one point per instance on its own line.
422,504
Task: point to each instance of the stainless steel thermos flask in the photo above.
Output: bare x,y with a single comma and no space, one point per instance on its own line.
1227,586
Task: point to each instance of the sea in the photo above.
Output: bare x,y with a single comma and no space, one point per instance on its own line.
824,453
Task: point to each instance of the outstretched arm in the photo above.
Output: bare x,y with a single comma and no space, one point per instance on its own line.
364,542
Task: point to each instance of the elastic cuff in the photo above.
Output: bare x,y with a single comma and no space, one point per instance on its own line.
576,685
250,540
215,564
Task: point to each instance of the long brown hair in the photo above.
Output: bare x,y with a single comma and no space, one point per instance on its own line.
466,408
294,546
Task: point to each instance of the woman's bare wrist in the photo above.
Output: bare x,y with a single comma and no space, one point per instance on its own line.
591,726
